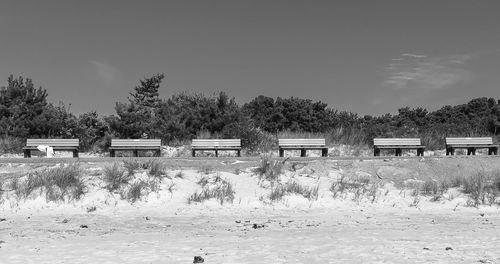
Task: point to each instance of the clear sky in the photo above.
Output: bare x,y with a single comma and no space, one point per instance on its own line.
370,57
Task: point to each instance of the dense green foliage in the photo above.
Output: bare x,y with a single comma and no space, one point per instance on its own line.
25,113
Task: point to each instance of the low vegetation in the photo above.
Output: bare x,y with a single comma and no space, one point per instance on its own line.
270,169
355,187
56,184
293,187
157,169
115,177
219,189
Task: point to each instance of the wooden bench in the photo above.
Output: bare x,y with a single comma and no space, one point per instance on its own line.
302,144
397,144
471,144
135,145
216,145
56,144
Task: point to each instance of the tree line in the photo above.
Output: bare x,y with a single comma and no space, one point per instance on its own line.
26,113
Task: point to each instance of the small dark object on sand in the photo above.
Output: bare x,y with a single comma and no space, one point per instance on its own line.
147,218
255,226
198,259
64,221
449,248
426,248
2,219
84,226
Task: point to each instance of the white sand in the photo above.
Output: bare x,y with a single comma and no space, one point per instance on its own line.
163,228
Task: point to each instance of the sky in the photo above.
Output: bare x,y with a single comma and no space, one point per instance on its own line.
368,57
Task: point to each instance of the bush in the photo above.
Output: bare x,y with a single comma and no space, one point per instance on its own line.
115,177
10,144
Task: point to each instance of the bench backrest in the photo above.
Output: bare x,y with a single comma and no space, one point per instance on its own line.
52,142
207,143
468,140
396,142
285,142
135,142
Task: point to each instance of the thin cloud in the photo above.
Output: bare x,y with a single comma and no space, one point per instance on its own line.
421,72
413,55
111,76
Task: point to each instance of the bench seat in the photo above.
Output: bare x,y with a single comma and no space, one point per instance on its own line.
302,144
57,144
135,145
471,144
397,144
216,145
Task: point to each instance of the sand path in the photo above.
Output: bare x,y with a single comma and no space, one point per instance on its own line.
359,235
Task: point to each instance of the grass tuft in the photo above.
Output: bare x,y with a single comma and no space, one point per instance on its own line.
270,169
114,177
222,191
56,183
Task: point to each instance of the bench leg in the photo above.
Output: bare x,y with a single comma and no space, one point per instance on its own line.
324,152
216,153
492,151
282,152
398,152
193,153
303,152
27,153
239,153
136,153
450,151
471,151
158,153
75,153
376,152
420,152
112,153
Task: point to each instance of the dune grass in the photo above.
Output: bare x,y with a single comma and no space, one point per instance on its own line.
56,184
220,189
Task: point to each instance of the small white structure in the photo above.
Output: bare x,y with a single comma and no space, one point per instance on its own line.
49,150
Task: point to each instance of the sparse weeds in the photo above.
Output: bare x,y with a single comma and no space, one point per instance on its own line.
270,169
293,187
482,187
203,181
357,187
114,177
221,190
157,169
179,175
136,191
131,165
205,169
56,183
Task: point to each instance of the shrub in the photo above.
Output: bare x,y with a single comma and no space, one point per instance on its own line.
9,144
115,177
